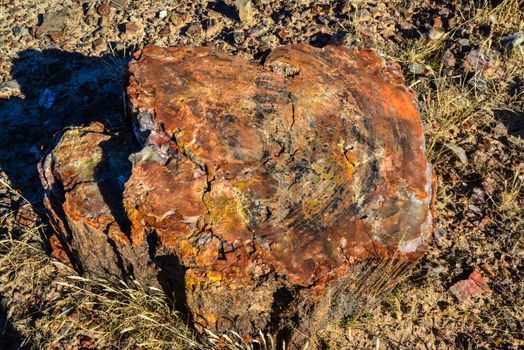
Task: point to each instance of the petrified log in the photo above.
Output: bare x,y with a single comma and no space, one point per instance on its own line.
261,194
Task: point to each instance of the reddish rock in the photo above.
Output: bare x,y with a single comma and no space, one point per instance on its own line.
104,9
475,285
297,190
131,28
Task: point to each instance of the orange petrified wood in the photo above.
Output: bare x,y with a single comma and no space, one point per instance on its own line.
259,193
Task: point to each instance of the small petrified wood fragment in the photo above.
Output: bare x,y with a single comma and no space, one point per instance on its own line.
293,190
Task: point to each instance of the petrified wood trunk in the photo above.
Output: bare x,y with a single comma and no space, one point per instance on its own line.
262,194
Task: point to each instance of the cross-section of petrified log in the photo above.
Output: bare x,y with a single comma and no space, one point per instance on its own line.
284,191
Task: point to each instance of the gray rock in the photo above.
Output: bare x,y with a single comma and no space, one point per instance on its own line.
416,68
17,30
448,59
513,40
436,33
245,11
54,22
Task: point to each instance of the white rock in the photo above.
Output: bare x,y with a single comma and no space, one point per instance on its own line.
162,14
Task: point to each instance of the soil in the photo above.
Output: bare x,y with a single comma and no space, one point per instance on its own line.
63,64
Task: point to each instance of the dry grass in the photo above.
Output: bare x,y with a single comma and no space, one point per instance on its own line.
421,313
52,307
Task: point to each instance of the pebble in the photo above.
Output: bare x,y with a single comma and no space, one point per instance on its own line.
162,14
458,151
474,208
17,30
238,37
416,68
213,14
245,11
440,233
436,33
500,129
178,20
478,83
54,23
131,28
513,40
194,30
9,87
448,59
104,10
214,29
474,285
99,45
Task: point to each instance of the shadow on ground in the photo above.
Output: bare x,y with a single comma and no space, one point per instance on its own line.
513,120
10,339
52,90
56,90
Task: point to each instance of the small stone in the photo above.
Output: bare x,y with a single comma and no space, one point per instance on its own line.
162,14
487,268
238,37
440,233
482,60
99,45
194,30
213,14
9,88
282,33
458,151
437,22
89,19
478,83
177,20
54,24
500,129
214,29
436,33
474,208
245,11
104,9
164,32
513,40
131,28
448,59
416,68
475,285
17,30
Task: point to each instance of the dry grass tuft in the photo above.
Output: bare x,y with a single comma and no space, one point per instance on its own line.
52,307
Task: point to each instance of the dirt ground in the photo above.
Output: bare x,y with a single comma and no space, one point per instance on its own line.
63,63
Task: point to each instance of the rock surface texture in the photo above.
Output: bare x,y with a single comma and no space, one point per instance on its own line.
293,191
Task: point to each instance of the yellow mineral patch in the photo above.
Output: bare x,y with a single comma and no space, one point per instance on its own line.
211,318
311,207
214,276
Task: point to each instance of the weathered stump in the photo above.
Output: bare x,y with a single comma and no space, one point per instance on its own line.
293,191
